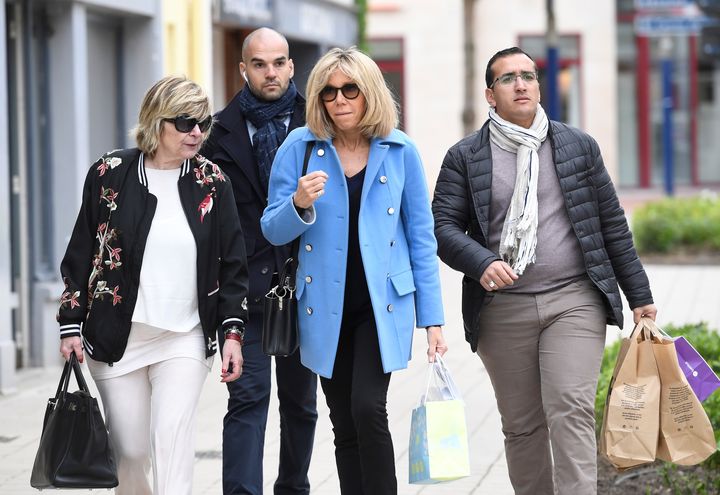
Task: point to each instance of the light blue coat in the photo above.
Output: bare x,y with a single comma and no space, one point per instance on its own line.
397,245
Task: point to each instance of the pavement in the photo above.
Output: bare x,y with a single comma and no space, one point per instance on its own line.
683,294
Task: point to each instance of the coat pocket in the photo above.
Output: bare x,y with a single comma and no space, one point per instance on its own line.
403,282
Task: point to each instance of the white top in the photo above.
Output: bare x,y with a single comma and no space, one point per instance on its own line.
149,345
167,296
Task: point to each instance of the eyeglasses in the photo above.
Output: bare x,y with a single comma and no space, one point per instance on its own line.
349,91
185,123
511,77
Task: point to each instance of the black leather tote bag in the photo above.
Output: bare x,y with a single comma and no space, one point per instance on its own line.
279,335
75,449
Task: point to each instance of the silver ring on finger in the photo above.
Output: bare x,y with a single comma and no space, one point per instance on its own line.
320,193
491,284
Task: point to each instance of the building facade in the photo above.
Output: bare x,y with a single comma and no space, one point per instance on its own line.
73,76
74,73
610,75
422,46
311,27
688,104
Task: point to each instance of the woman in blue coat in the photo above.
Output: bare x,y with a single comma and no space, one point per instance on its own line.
368,270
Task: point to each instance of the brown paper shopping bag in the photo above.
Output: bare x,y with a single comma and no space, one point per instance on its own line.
629,435
624,346
686,435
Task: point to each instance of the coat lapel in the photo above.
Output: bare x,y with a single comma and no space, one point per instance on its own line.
236,143
238,146
378,150
481,158
297,119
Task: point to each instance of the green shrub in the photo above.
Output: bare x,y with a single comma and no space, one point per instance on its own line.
707,343
678,224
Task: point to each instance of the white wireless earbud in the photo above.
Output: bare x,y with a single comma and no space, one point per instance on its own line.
244,74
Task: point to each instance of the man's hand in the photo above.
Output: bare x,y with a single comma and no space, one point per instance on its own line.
232,359
310,187
68,345
647,311
497,275
436,343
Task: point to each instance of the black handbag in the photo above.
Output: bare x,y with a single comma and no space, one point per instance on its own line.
75,449
280,334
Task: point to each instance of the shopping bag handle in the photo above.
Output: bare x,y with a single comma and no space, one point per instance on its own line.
653,327
448,377
430,372
440,364
438,367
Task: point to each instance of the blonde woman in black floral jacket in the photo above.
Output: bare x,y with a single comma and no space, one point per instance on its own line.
155,266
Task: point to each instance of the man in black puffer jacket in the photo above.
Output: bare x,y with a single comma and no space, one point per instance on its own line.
526,210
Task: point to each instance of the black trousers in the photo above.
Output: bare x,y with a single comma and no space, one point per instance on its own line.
244,424
357,397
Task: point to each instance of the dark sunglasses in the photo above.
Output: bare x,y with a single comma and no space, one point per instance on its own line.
184,123
349,91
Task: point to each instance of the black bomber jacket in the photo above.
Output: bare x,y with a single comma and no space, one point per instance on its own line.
101,267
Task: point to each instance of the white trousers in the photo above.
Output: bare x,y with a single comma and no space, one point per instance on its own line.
150,415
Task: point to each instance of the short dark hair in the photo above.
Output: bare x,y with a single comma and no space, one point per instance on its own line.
489,76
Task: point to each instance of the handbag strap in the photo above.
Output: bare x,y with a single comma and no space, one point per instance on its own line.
295,246
306,160
64,379
79,374
71,365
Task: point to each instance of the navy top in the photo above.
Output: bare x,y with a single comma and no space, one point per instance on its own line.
357,296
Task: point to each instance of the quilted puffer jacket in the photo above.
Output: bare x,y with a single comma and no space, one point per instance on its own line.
461,207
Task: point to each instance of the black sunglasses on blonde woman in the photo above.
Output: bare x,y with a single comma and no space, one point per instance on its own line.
350,91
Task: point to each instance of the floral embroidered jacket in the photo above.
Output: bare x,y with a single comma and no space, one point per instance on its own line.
101,267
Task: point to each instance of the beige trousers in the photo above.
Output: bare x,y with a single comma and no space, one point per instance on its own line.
150,414
543,354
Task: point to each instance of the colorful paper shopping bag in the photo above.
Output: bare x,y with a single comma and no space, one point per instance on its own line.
438,434
699,374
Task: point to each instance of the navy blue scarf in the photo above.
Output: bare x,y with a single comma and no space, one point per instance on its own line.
268,117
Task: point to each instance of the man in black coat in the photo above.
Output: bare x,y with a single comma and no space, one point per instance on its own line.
244,139
526,210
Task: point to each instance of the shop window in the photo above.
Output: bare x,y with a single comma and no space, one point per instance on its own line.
569,83
628,146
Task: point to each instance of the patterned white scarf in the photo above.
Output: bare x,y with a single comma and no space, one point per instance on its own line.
519,234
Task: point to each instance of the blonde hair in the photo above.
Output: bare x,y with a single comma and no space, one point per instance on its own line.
168,98
381,113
